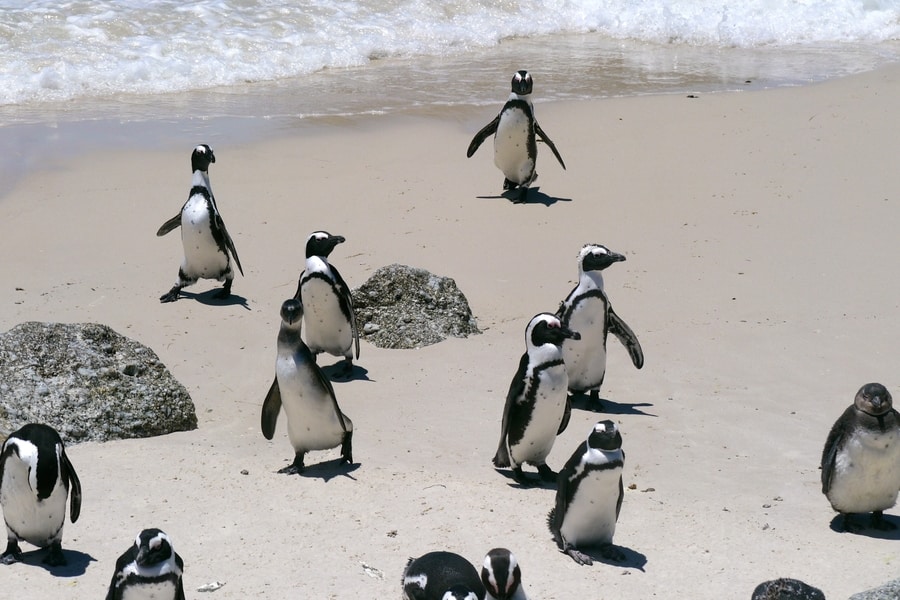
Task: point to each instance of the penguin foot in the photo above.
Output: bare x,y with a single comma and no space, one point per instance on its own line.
509,185
580,557
347,449
877,522
546,473
849,525
12,554
610,552
346,369
225,292
522,197
595,404
171,295
296,467
55,556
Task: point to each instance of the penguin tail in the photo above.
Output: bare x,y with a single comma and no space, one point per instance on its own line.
501,458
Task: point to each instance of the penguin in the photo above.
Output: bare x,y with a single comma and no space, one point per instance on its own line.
786,589
441,575
327,302
587,309
36,478
514,131
208,249
861,458
149,569
536,405
315,421
501,576
589,496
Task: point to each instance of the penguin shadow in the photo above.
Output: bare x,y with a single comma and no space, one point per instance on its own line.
328,470
209,298
335,372
76,562
629,559
533,195
861,526
534,481
608,407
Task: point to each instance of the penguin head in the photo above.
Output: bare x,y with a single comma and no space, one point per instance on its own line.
605,436
321,243
459,592
201,157
873,399
292,313
522,83
500,573
596,257
153,546
546,328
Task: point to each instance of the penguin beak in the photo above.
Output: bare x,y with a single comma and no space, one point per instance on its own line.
565,332
616,257
337,239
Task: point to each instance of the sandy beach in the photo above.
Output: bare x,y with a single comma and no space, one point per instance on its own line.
760,231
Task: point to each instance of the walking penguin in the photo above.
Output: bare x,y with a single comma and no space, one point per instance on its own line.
589,496
315,421
149,570
327,303
208,249
587,310
861,458
36,478
515,144
536,408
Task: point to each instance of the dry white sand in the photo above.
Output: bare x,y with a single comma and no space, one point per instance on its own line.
761,236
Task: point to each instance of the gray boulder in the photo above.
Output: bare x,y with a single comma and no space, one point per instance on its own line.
405,307
888,591
89,383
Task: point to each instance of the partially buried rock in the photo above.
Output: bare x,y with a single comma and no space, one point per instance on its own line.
786,589
888,591
89,383
405,307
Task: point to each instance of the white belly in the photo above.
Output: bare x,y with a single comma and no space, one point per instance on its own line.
37,522
202,257
164,590
511,147
591,516
325,327
867,473
312,421
586,358
549,407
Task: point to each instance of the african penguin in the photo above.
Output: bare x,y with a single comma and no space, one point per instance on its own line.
149,570
36,477
861,458
441,575
327,303
589,496
786,589
514,130
208,249
587,310
315,421
501,576
536,408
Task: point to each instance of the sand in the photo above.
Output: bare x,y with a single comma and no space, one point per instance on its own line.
761,279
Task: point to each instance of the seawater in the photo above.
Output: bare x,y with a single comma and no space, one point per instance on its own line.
114,71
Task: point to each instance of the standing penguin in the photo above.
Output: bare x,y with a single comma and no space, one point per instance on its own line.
536,405
501,576
327,303
589,496
208,249
149,569
441,575
35,480
514,131
587,310
315,421
861,458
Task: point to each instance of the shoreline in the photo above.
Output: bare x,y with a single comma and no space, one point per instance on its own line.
759,233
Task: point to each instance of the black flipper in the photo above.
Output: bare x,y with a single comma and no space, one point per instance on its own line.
68,473
540,133
516,390
270,409
486,131
345,299
170,225
621,330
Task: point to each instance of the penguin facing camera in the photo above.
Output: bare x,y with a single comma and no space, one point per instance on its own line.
149,569
515,132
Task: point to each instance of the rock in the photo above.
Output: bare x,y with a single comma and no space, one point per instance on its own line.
888,591
786,589
89,383
405,307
